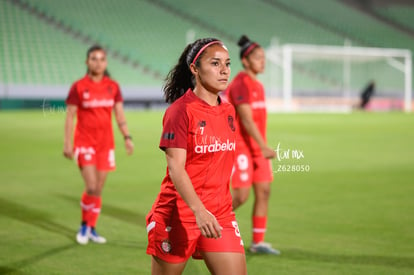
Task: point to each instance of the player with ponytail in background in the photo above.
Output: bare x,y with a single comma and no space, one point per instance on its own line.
253,165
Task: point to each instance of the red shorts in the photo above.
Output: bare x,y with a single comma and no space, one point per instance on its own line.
104,160
176,242
248,170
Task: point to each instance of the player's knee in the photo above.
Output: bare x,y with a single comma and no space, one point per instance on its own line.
93,190
240,198
263,193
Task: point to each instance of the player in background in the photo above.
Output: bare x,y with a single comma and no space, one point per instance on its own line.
253,165
92,100
192,214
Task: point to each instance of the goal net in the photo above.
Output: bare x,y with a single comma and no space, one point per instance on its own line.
332,78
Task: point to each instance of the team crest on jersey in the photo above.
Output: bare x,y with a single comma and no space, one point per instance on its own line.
230,120
166,246
109,89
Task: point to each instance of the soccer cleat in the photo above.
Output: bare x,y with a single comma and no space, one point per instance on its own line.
263,248
82,236
94,236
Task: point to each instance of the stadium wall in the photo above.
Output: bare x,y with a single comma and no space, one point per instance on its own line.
16,96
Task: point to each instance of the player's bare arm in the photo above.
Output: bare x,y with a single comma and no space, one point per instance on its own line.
245,112
122,125
206,221
67,143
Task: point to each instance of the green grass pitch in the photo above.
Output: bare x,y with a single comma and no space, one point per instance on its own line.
350,212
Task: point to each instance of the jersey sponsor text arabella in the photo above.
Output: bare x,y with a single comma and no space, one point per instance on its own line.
95,103
215,147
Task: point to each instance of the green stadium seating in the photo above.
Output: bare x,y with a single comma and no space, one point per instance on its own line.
400,14
294,21
257,19
152,34
140,30
34,52
353,24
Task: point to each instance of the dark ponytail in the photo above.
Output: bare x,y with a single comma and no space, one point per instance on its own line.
246,46
93,48
180,78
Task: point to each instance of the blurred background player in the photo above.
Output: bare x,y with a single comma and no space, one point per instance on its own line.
192,215
252,165
92,99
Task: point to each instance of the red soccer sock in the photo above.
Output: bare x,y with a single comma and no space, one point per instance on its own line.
95,211
259,228
87,203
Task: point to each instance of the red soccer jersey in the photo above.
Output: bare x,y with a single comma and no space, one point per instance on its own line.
244,89
208,134
95,102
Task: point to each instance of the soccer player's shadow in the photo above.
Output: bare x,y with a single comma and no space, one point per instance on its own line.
380,260
15,267
38,219
33,217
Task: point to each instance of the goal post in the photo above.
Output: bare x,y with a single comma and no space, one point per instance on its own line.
337,74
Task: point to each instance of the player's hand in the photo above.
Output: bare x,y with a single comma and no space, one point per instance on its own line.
68,151
208,224
129,146
268,152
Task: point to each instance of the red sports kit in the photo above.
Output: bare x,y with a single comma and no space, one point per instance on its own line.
250,166
208,134
94,139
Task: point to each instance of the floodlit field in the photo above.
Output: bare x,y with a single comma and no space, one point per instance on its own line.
342,199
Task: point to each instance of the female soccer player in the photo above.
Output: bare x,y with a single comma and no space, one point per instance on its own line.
252,165
92,100
192,215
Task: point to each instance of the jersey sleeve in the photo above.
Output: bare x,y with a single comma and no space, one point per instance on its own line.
73,96
175,128
118,94
239,92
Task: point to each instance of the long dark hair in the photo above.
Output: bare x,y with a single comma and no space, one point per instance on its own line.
93,48
246,46
180,78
